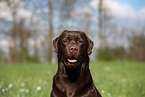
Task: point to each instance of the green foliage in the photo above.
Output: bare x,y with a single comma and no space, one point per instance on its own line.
112,79
108,54
22,56
137,48
2,57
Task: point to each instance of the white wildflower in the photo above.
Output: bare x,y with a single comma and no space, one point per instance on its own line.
103,91
109,94
3,90
22,84
10,85
22,90
38,88
27,91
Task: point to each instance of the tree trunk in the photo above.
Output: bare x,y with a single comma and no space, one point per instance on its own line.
88,22
100,22
50,19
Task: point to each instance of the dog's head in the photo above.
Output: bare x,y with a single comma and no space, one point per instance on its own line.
73,47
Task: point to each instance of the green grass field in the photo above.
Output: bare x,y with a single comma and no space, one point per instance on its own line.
112,79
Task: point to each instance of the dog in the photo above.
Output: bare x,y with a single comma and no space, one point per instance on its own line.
73,77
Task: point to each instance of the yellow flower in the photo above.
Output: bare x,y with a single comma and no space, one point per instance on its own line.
124,95
143,92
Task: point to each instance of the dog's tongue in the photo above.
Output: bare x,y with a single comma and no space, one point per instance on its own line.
72,61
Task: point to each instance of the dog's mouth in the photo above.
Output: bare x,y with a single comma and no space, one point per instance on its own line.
71,61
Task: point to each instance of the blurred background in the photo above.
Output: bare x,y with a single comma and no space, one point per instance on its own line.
27,28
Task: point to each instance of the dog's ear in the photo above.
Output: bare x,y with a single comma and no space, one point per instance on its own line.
90,45
55,44
55,41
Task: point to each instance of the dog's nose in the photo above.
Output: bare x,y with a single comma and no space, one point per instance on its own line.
73,48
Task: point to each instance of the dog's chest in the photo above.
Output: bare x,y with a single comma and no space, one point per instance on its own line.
71,90
70,94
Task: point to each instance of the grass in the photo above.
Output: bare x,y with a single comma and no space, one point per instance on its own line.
112,79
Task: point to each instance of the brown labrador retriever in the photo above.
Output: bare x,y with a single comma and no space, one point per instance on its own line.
73,77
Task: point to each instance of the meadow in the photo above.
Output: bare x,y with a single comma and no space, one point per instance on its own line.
112,79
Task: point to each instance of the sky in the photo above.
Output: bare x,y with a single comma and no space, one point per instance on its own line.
120,8
135,4
123,9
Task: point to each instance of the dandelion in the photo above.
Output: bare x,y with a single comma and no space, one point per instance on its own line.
22,90
38,88
22,84
10,85
3,90
103,91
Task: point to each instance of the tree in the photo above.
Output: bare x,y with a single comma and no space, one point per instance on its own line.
23,35
13,6
2,56
100,22
137,48
50,19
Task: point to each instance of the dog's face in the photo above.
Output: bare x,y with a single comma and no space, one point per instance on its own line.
73,47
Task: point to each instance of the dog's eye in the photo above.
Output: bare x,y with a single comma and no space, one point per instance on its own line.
80,41
64,41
